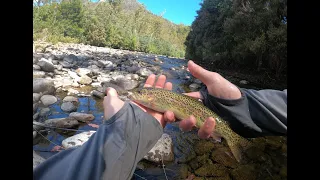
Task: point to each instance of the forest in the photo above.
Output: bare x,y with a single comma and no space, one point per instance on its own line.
120,24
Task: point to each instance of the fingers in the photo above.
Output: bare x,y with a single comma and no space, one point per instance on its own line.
188,124
207,128
196,95
150,81
197,71
169,116
168,86
160,82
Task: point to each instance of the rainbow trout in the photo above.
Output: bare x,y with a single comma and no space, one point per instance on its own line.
183,106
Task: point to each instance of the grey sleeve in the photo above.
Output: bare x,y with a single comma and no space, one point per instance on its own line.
111,153
257,113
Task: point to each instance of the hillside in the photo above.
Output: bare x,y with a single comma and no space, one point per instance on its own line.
123,24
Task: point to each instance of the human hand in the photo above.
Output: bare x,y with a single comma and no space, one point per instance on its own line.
217,86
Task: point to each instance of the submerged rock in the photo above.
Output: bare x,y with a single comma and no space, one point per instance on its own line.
37,159
77,140
83,117
161,151
62,122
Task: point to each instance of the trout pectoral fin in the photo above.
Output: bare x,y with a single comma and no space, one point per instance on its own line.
216,136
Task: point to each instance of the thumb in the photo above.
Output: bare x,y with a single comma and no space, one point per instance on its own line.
111,92
199,72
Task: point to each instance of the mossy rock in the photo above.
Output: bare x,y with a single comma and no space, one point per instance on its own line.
199,161
245,172
213,178
274,142
283,171
203,147
215,170
256,154
224,157
183,171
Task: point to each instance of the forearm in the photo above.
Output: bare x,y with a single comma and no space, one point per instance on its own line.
111,153
255,114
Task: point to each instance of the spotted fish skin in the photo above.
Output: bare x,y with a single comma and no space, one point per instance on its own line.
183,106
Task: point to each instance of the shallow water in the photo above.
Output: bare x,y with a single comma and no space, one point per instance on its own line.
187,161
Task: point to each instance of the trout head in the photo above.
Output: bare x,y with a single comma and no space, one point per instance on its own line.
142,96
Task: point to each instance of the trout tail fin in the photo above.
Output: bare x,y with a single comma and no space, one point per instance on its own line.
238,145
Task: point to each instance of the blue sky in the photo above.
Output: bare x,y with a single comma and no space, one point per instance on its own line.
176,11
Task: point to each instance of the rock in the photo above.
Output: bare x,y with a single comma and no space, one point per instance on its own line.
224,157
126,84
59,68
46,65
38,74
70,99
102,63
274,142
105,85
72,92
197,81
247,172
77,140
36,67
244,82
84,71
44,112
68,107
203,147
48,100
284,148
104,79
34,134
35,107
117,75
66,82
83,117
37,126
36,97
35,116
65,64
183,171
43,85
283,171
215,170
144,72
37,159
194,87
75,84
161,150
96,84
73,75
68,122
256,154
200,161
133,69
55,62
35,60
135,76
70,58
98,94
85,80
